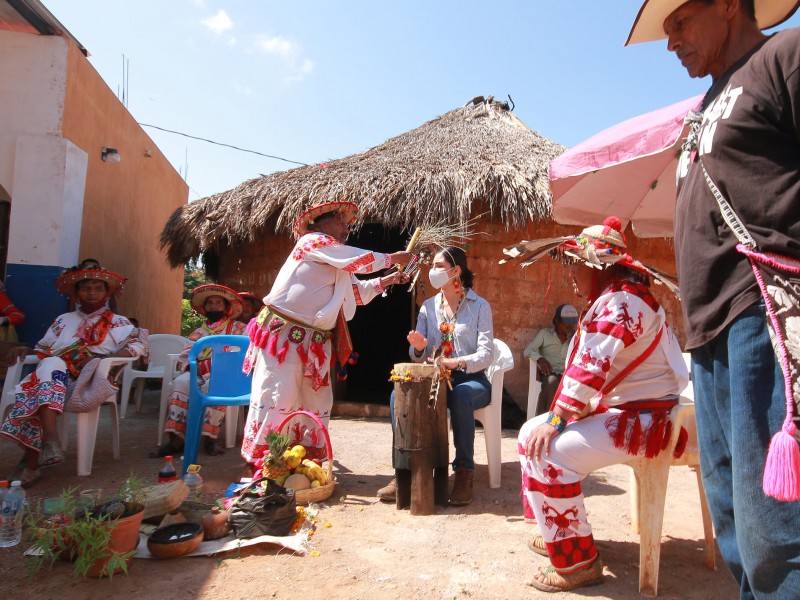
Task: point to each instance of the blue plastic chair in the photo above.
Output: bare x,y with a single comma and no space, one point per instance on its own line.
227,386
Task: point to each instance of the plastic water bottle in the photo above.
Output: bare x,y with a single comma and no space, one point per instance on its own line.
194,482
12,511
167,472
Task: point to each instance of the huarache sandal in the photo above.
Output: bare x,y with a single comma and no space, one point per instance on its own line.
51,455
29,477
213,448
553,581
536,543
165,449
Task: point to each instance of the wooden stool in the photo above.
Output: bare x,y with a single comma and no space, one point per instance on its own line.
420,439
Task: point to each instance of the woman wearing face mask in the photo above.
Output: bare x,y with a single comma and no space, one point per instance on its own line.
459,322
221,306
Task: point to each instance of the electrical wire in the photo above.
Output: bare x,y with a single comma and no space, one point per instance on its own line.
194,137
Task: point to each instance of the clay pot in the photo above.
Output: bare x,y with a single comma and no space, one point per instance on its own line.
124,538
175,540
215,523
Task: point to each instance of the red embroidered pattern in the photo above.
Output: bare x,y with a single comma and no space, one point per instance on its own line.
363,261
359,301
311,242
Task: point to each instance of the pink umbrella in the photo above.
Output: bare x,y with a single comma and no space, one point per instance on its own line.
628,171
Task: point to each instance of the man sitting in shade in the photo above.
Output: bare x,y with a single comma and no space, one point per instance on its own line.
549,350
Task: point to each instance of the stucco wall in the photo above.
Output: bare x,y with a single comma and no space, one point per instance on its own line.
126,204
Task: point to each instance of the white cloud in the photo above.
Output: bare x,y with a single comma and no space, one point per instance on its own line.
278,46
289,54
219,23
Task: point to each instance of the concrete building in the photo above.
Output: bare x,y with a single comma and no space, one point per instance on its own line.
78,178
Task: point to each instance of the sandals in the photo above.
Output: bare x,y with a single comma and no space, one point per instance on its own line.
213,448
536,543
29,477
165,449
51,455
563,582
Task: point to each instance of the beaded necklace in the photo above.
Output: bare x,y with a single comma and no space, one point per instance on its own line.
447,326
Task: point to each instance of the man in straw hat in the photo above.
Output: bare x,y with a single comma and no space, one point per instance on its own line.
747,149
302,328
252,304
66,350
221,307
624,374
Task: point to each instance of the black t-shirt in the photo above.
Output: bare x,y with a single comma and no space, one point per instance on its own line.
750,145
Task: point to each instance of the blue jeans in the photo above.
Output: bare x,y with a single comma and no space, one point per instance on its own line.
740,405
470,392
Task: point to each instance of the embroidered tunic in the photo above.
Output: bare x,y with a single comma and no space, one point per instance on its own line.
290,351
63,349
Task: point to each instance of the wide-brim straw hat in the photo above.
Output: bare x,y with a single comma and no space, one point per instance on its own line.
348,210
649,23
203,292
67,282
251,296
598,246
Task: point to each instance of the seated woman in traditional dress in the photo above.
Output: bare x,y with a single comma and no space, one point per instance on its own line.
92,330
459,322
624,373
220,306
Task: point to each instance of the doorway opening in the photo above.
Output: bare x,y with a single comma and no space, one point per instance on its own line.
379,329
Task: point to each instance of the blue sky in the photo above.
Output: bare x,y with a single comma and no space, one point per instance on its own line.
315,81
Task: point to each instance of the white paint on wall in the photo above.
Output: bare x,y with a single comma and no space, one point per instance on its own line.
47,201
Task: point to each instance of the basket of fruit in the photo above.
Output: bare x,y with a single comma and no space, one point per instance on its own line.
289,467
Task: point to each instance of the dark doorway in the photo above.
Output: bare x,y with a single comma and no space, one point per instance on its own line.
379,328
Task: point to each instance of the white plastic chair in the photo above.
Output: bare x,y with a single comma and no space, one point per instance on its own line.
490,416
86,422
170,373
648,492
161,346
534,388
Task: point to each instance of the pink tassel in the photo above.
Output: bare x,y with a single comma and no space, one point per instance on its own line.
272,345
301,352
318,350
282,352
251,327
782,472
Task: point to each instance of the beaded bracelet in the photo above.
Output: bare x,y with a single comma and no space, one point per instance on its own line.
556,421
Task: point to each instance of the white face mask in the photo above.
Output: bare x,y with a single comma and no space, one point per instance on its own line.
438,278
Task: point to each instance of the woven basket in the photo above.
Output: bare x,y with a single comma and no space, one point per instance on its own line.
163,498
322,492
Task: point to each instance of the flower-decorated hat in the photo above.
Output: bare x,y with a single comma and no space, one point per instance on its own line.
348,210
67,282
598,246
202,293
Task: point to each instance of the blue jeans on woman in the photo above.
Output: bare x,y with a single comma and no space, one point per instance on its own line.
740,405
470,392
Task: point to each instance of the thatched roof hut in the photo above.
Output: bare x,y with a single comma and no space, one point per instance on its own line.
479,159
438,172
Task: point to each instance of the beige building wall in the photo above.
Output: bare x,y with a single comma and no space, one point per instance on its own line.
126,204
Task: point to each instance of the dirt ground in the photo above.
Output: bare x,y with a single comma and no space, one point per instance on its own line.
371,550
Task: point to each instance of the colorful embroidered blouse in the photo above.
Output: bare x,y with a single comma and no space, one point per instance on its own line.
616,329
473,338
318,279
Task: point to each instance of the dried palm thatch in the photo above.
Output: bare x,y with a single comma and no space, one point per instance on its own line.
438,172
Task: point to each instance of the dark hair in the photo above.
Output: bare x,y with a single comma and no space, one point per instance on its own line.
456,257
82,265
323,218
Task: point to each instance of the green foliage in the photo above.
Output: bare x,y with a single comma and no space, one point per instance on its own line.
190,320
193,275
81,532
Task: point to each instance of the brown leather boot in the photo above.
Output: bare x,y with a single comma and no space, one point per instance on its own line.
462,488
388,493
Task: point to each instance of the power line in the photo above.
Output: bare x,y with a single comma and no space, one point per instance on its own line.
194,137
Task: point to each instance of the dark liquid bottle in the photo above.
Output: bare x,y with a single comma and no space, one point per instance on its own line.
167,472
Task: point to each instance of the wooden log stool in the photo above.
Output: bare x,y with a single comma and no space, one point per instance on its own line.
421,450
